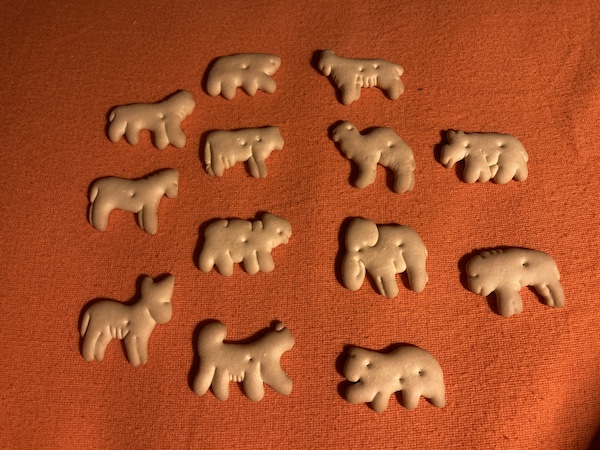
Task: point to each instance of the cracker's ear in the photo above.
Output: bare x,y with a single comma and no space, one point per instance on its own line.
450,135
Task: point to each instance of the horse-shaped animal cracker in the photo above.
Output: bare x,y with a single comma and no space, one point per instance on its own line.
380,146
351,75
108,320
251,364
140,196
234,241
162,118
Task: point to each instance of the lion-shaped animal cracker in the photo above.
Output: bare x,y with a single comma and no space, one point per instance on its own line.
162,118
251,364
108,320
383,251
251,71
141,196
240,241
380,146
351,75
377,376
506,271
487,155
225,148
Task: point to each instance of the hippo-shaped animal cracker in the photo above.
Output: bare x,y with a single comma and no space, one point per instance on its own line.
225,148
376,376
383,251
380,146
487,155
141,196
351,75
162,118
108,320
251,71
251,364
234,241
506,271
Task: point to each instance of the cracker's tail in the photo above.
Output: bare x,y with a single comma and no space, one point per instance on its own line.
84,323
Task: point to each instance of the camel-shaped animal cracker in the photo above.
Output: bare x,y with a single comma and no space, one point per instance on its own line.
141,196
487,155
162,118
351,75
225,148
234,241
380,146
383,251
108,320
377,376
251,364
506,271
251,71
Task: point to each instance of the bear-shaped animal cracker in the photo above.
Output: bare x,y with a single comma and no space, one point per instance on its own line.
380,146
162,118
351,75
141,196
108,320
383,251
251,71
377,376
234,241
506,271
251,364
487,155
225,148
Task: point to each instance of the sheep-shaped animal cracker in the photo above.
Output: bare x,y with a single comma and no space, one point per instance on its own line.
506,271
225,148
377,376
487,155
240,241
140,196
251,364
383,251
250,71
351,75
380,146
107,320
162,118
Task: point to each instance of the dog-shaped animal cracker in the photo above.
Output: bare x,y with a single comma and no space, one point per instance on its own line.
351,75
383,251
487,155
251,71
377,376
225,148
162,118
140,196
506,271
251,364
108,320
380,146
240,241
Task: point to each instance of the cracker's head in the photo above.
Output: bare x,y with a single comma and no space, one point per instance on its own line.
358,364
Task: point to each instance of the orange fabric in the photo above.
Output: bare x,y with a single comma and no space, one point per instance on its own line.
524,68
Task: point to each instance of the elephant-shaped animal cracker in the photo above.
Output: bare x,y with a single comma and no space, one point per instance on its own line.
251,71
351,75
251,364
506,271
225,148
383,251
377,376
234,241
162,118
487,155
107,320
140,196
380,146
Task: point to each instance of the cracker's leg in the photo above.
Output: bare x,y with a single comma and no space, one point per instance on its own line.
253,383
228,88
380,401
505,174
148,219
258,167
410,397
404,180
521,172
251,263
509,301
174,133
220,384
131,346
99,212
387,286
224,264
552,293
439,401
275,377
476,169
132,133
266,83
103,341
394,89
350,93
250,85
161,138
204,378
142,348
367,172
265,261
88,348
